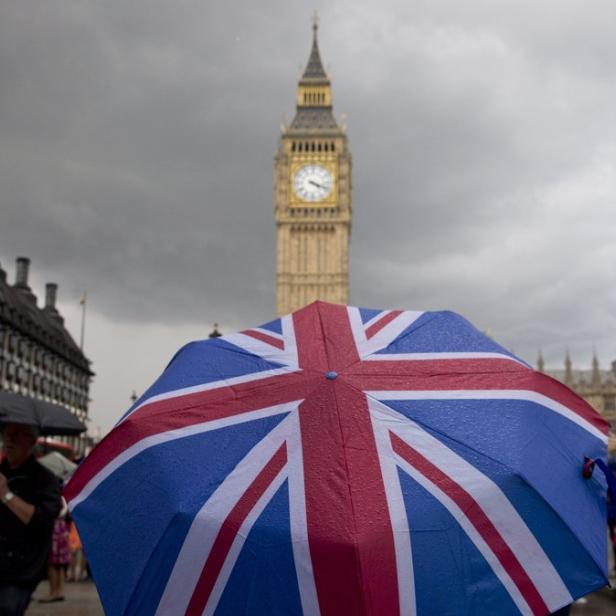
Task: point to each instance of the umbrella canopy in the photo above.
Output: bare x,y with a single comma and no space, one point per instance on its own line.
49,418
346,461
58,465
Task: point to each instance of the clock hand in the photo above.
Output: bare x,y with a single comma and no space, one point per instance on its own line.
315,184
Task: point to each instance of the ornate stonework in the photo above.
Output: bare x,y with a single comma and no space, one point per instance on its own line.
596,386
312,198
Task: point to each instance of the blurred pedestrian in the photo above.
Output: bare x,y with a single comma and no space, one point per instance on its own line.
59,558
77,569
30,497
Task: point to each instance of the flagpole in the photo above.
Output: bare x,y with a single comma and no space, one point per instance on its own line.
82,301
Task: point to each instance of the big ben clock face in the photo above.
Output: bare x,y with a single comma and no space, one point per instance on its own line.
312,183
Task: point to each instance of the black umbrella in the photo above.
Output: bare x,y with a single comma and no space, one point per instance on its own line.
49,418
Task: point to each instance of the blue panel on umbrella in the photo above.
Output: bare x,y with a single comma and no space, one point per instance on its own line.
186,471
518,433
205,361
443,332
150,586
573,563
264,579
367,314
273,326
451,575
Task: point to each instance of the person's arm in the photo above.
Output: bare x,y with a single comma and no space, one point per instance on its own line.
23,510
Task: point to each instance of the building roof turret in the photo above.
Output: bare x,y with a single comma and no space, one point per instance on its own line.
540,362
596,374
568,370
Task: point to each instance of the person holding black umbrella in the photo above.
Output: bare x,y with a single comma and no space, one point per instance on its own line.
30,502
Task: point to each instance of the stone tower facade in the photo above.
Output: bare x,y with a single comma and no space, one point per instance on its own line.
312,197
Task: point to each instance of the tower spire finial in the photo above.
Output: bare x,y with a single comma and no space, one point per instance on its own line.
314,70
540,361
568,369
596,374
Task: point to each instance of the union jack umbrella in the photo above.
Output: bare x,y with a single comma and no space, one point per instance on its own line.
344,461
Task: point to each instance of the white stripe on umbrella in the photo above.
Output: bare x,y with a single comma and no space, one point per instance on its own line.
397,512
170,435
195,389
491,500
238,542
443,356
298,519
382,338
493,394
286,356
207,524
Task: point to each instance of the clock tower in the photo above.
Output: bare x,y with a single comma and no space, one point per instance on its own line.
312,197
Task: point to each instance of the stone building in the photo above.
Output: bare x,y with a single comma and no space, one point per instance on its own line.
312,197
596,386
38,357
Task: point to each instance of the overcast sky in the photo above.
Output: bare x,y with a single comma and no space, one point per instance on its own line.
136,145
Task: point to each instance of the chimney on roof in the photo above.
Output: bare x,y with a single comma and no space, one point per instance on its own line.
51,292
21,279
21,276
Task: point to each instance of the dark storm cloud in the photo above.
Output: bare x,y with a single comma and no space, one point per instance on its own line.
137,157
485,162
137,143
